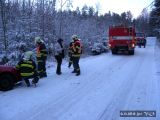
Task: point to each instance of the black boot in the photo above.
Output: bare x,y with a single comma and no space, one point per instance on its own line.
69,65
78,73
74,71
35,80
58,73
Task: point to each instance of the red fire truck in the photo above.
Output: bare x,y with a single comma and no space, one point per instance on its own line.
122,38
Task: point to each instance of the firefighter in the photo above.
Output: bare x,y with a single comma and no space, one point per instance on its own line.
59,55
76,53
27,68
70,54
41,57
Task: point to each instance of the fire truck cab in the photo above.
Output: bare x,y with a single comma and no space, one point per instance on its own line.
122,38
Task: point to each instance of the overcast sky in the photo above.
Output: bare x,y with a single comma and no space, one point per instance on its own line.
117,6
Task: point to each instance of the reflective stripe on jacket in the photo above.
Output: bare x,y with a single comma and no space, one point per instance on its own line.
26,68
41,51
70,49
76,49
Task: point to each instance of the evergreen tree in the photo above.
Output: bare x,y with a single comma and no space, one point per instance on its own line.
155,18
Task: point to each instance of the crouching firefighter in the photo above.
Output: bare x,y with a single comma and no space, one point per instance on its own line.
76,53
41,57
27,69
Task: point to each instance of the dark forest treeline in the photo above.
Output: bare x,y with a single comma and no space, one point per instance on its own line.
155,18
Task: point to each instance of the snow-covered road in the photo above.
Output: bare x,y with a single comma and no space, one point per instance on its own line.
108,84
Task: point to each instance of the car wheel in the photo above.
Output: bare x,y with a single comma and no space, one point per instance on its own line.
6,82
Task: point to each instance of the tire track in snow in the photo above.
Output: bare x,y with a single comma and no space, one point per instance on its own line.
111,111
95,85
74,94
121,97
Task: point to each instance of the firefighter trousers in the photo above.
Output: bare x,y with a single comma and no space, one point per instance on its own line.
34,76
59,62
76,64
70,61
42,68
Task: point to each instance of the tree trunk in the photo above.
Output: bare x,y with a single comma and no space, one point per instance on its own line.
4,22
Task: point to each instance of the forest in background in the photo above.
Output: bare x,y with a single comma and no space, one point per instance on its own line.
22,20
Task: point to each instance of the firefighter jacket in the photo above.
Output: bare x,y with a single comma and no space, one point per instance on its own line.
76,49
27,68
70,49
41,52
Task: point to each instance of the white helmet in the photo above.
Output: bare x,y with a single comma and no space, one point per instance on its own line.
38,40
74,37
28,55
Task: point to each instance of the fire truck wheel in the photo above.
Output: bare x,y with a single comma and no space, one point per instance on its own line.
131,52
114,51
6,82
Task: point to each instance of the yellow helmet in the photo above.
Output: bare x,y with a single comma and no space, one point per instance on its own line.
28,55
38,40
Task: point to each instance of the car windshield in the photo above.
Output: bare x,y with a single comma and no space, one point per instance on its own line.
96,45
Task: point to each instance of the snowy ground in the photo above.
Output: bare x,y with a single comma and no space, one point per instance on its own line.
108,84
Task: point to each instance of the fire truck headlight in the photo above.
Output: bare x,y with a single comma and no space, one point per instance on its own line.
133,45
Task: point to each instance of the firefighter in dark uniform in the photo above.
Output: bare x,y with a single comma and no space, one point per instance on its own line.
76,53
70,54
27,68
41,57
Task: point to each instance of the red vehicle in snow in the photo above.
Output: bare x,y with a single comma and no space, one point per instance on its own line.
122,38
140,39
8,77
